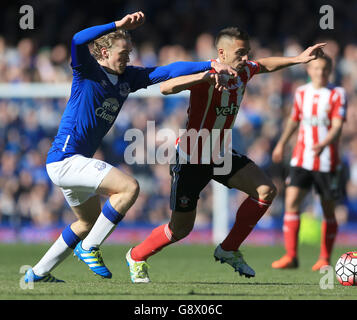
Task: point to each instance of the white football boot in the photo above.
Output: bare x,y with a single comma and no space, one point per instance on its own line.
235,259
138,269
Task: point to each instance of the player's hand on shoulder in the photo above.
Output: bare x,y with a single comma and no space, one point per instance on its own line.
131,21
222,68
219,81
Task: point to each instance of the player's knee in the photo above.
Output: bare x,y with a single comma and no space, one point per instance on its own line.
133,189
292,204
267,192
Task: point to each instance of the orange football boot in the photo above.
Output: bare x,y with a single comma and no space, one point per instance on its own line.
322,262
286,262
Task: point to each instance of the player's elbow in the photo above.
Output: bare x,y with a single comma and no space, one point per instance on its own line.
267,69
77,39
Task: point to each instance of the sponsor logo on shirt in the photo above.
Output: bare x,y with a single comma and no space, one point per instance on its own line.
109,109
227,110
315,121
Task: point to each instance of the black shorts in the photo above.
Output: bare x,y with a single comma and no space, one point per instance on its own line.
327,184
188,180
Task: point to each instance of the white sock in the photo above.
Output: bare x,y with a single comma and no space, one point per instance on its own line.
102,228
56,254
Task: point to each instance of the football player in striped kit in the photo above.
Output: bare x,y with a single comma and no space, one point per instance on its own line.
318,113
211,108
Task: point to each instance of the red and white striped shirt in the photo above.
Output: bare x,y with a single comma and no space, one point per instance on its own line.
315,108
211,109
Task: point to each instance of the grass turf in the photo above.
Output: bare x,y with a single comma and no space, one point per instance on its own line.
180,272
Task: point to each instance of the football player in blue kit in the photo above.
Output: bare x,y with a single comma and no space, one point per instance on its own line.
101,83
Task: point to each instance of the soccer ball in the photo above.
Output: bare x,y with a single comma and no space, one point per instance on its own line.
346,269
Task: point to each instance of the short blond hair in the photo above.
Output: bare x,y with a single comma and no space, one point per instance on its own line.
107,40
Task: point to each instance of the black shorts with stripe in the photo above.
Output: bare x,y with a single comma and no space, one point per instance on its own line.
328,185
188,180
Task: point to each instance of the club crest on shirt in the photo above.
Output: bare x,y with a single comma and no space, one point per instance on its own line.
124,89
100,165
184,201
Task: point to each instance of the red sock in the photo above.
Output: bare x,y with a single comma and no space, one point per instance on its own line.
328,235
291,231
248,214
159,238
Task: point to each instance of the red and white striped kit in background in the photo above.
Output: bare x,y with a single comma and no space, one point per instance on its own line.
315,108
211,109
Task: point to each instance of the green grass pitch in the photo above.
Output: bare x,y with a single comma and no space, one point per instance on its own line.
179,272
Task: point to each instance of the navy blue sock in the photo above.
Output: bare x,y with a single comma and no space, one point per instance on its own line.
70,237
111,214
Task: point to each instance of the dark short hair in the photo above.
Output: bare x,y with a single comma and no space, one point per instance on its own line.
327,59
232,32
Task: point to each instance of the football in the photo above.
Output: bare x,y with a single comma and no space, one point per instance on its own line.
346,269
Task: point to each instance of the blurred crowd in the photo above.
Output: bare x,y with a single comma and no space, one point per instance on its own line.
27,126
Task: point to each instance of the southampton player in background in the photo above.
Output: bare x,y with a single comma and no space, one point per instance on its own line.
101,84
319,112
211,108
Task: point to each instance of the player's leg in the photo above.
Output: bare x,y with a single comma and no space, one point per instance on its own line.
180,225
329,229
328,186
298,184
293,198
122,190
249,178
186,184
86,213
261,192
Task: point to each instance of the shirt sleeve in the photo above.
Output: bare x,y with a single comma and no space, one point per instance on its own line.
338,103
144,77
252,68
79,49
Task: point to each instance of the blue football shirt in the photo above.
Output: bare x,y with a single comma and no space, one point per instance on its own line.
95,101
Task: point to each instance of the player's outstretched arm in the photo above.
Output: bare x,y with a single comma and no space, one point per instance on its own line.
271,64
182,83
183,68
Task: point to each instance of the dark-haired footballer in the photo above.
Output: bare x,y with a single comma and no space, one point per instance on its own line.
211,109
